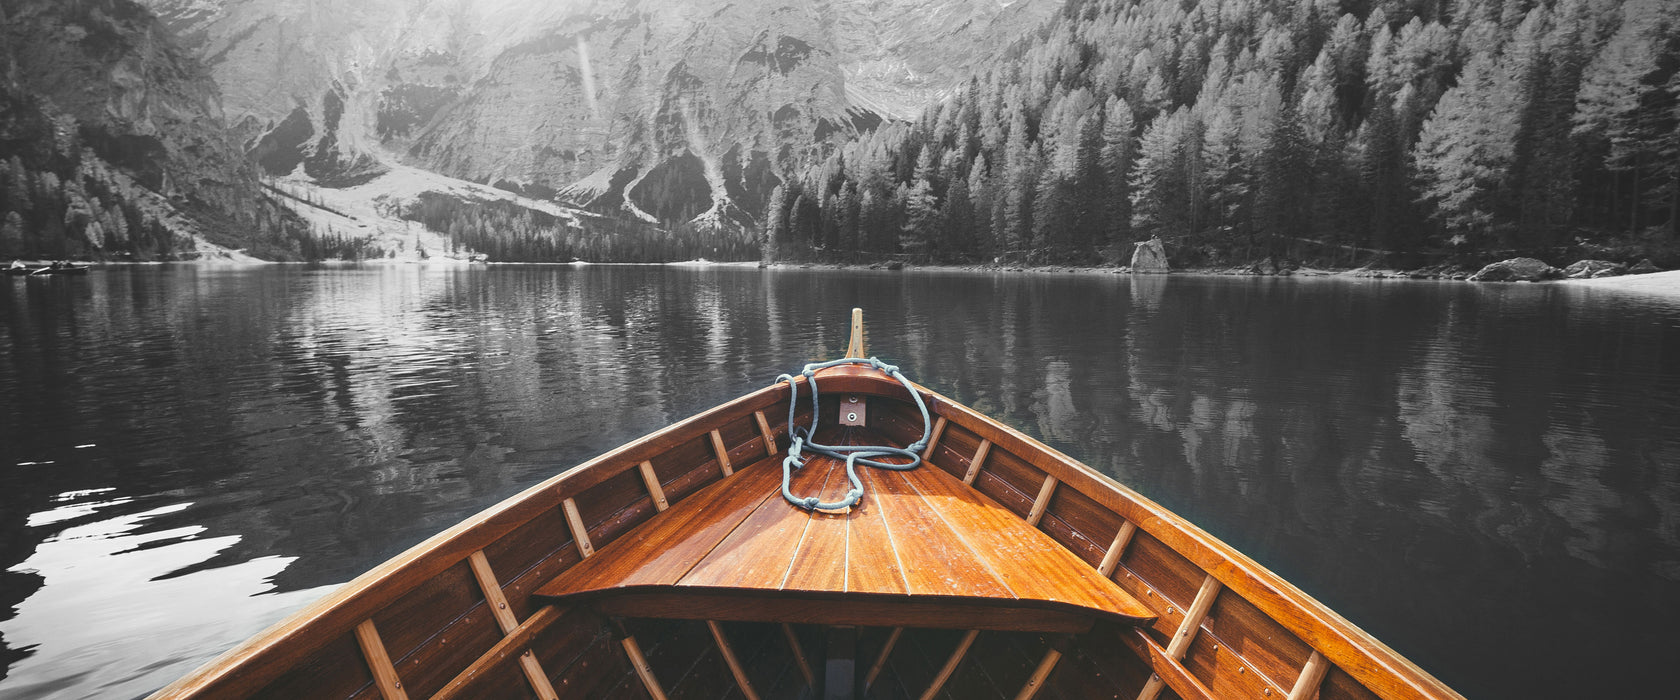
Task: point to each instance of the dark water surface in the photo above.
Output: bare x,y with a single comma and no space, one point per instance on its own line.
1485,477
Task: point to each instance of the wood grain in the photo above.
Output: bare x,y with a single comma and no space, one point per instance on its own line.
384,675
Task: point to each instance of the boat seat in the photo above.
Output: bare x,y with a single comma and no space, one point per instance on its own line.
921,550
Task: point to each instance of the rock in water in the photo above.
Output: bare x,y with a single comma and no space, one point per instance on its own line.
1150,256
1643,267
1589,269
1517,270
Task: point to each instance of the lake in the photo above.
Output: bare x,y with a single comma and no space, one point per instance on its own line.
1485,477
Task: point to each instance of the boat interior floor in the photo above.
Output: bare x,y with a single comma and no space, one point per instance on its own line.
922,549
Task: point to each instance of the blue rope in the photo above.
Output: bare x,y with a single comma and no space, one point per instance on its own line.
852,454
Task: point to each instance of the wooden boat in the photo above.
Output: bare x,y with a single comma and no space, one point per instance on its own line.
671,567
40,270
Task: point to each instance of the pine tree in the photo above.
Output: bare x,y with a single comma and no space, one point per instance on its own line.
1158,180
1119,146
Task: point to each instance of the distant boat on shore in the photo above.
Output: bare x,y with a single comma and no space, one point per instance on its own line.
20,268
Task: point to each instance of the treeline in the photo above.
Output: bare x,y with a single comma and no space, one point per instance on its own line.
1344,131
59,199
507,232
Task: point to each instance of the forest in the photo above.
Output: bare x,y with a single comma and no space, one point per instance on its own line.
1341,132
508,232
61,198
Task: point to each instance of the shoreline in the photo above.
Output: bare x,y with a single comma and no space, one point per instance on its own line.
1665,283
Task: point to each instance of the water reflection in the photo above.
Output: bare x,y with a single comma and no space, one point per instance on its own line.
190,453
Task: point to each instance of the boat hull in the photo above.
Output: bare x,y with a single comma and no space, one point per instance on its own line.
456,616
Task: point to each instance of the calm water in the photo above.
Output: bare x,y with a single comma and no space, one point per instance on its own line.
1487,478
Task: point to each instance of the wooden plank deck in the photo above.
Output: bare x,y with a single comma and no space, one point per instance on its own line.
921,550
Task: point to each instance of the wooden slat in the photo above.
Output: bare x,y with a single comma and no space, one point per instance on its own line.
1193,617
1042,502
979,460
950,666
944,565
497,601
516,642
819,564
666,548
722,454
799,655
651,480
933,442
1117,548
1312,675
1039,568
757,552
580,534
730,659
1167,670
854,345
1045,666
881,658
639,662
764,429
872,564
1186,632
384,675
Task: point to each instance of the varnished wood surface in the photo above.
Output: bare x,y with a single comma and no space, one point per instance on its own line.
920,539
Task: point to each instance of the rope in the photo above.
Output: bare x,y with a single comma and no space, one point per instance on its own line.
853,454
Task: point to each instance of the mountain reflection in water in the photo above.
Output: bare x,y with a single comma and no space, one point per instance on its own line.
1487,478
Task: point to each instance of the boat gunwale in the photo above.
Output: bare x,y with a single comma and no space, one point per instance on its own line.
272,652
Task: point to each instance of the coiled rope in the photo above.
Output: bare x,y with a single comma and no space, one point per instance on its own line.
854,455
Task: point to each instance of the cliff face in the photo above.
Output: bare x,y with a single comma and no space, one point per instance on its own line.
666,110
130,129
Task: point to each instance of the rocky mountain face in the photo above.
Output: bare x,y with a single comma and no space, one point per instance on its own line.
667,111
115,139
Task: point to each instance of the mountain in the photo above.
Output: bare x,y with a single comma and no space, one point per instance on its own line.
114,145
669,112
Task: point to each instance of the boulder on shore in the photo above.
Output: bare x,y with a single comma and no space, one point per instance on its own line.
1588,269
1150,256
1517,270
1643,267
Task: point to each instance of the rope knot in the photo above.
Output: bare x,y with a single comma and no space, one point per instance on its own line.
853,455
